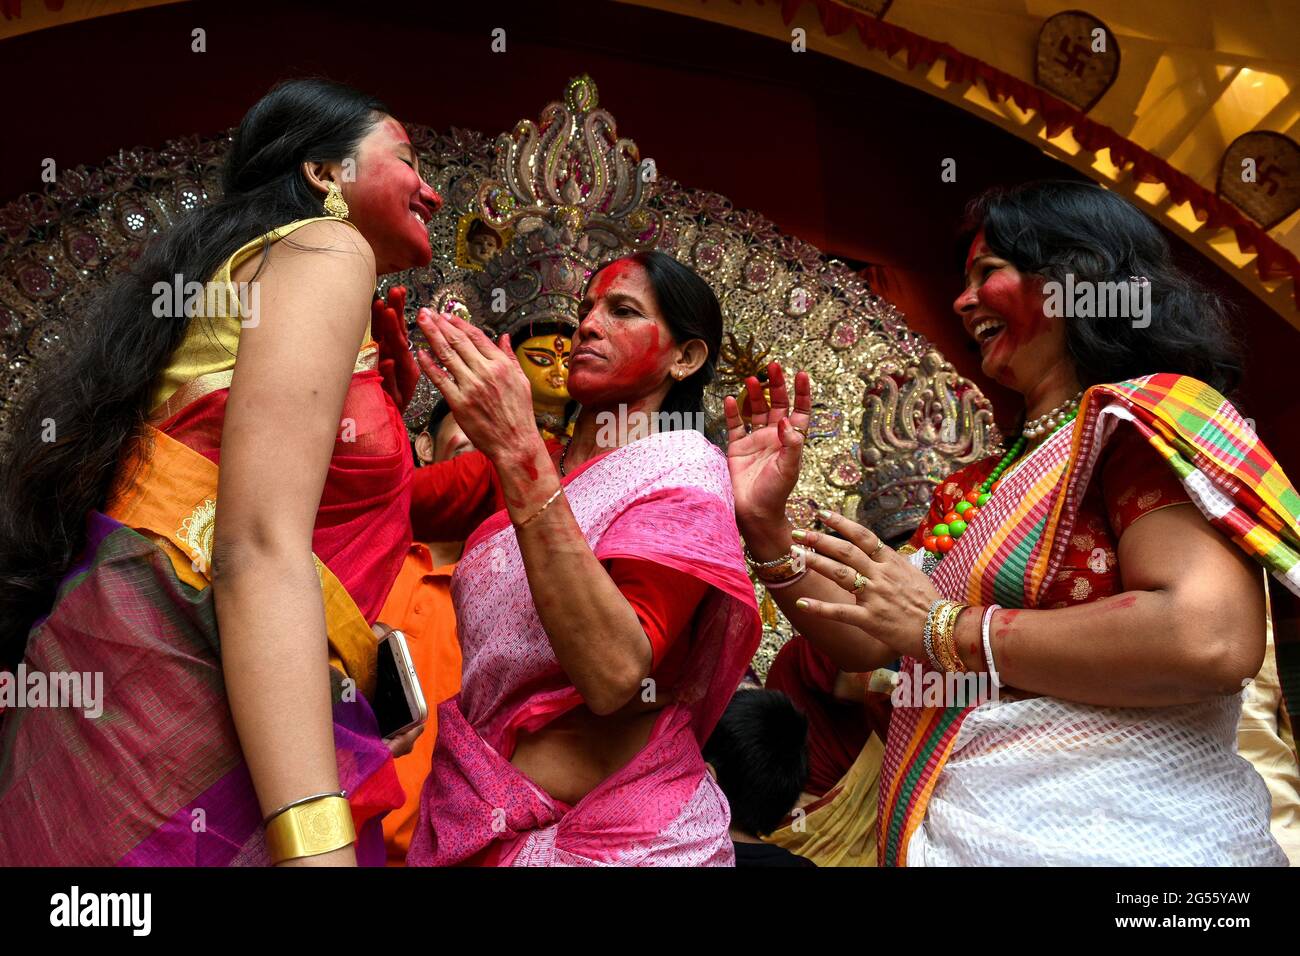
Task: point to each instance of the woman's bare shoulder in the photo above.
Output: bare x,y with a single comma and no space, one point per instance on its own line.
317,248
323,243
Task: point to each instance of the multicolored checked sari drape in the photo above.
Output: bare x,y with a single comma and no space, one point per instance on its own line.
159,778
1011,553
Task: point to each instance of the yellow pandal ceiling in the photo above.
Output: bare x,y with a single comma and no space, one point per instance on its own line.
1193,76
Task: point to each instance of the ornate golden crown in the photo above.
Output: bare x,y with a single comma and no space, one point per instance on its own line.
570,195
921,420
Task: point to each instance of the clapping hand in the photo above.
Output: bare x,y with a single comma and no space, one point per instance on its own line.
764,460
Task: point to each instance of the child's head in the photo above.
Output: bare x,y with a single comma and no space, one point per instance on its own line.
759,754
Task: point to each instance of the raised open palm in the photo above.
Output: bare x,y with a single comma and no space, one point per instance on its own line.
764,461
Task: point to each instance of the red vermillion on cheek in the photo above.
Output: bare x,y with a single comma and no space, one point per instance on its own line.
381,200
1018,301
641,352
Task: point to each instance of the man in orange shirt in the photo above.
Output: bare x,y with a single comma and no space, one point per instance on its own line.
420,606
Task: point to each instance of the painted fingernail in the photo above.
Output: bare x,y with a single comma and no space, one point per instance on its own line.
825,515
801,604
798,534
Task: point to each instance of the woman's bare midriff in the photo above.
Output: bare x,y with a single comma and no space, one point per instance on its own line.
569,757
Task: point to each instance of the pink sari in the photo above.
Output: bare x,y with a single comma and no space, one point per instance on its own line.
666,498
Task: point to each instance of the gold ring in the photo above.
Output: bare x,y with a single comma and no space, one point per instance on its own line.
859,582
880,546
801,431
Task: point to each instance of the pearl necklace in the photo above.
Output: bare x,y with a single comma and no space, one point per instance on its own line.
1045,425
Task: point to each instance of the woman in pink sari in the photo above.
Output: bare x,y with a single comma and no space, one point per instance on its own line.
604,612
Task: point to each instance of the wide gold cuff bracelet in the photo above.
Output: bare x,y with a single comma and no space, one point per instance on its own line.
310,829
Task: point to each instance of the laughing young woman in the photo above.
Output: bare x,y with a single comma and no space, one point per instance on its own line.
1100,572
115,558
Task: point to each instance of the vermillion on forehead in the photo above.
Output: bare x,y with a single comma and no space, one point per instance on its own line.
397,129
978,247
612,273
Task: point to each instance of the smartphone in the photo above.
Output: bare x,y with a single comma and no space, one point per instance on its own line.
399,702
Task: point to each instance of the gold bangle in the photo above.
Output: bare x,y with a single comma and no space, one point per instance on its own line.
789,566
946,642
536,514
310,829
943,640
940,615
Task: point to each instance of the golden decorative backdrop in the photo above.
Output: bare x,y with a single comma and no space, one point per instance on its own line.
566,193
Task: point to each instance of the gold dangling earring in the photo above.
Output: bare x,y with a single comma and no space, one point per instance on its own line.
335,204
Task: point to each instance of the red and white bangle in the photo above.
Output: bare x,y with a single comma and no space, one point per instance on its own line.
988,643
784,571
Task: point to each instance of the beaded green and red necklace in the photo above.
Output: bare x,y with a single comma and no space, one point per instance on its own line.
941,537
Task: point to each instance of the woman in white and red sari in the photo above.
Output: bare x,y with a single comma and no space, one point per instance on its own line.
604,611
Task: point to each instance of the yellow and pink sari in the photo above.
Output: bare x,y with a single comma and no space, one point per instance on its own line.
159,778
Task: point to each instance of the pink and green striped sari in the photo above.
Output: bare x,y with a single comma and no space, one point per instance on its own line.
1011,554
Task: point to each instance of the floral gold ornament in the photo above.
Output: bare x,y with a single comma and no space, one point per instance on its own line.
335,204
196,533
737,361
921,420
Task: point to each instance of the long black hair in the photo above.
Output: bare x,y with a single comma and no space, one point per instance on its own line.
1055,228
97,393
691,311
